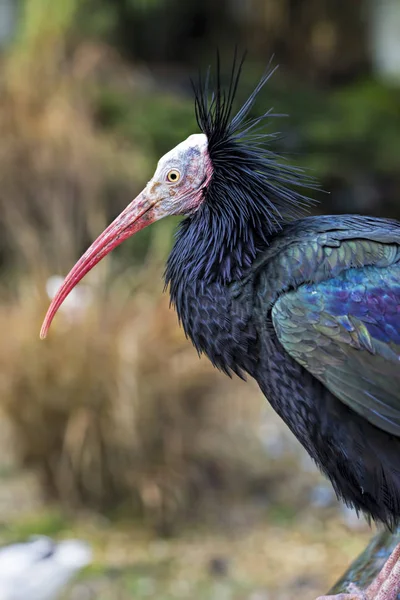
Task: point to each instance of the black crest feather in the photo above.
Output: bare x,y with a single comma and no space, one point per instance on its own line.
251,195
248,174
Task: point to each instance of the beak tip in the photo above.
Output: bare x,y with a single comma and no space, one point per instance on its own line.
43,331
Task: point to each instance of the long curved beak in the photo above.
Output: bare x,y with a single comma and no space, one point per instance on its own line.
136,216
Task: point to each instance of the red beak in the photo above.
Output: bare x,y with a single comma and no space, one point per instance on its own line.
137,215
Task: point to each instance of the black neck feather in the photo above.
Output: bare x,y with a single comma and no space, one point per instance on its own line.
251,195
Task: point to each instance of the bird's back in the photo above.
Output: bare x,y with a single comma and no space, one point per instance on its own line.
316,249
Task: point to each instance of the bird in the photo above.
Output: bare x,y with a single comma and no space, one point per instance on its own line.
307,305
40,568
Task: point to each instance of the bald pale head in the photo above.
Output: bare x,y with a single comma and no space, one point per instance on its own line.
180,177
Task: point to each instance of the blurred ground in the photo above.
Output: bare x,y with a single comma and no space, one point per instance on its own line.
268,561
292,543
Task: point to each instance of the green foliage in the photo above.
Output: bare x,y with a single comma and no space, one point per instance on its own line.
143,4
49,523
97,19
153,119
351,129
360,129
41,19
282,514
105,18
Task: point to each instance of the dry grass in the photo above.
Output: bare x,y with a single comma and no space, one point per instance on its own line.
111,409
57,169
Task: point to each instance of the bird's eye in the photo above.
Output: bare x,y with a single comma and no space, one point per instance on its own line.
173,176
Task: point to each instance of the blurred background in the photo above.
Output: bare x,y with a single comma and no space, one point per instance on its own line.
185,483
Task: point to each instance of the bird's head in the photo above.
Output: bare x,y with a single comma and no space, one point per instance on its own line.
226,173
176,188
179,182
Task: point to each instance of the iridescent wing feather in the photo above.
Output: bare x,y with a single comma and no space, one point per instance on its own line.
346,332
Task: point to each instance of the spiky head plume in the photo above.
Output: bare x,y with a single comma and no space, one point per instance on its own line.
248,176
251,194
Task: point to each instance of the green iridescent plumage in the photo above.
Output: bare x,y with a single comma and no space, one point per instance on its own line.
334,291
346,332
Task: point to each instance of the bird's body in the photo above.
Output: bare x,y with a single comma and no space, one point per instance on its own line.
309,307
322,290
